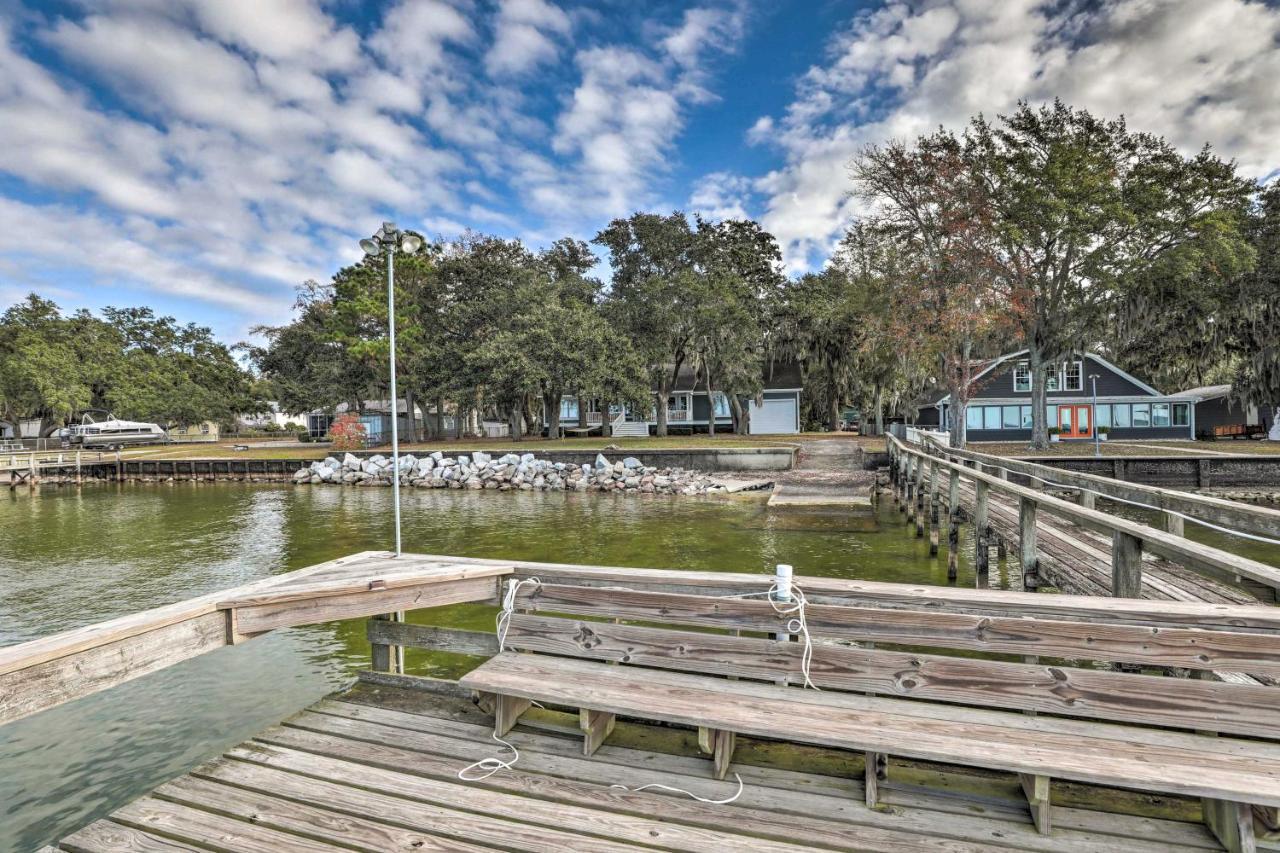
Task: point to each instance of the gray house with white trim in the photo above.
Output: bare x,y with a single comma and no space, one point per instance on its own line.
1000,402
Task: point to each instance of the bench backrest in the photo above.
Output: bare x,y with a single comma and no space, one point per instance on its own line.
912,653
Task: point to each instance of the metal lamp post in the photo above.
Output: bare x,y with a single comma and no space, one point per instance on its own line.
1097,440
390,239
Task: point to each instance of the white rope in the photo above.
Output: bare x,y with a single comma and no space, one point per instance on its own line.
658,786
508,607
489,766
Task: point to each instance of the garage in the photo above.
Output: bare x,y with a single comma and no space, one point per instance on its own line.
775,415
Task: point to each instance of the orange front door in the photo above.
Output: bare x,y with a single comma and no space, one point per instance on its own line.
1075,421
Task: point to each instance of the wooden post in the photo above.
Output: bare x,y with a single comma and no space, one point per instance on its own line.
981,513
31,478
953,531
935,499
1036,789
1174,523
875,772
506,711
1231,823
1027,543
722,755
919,497
1126,565
77,467
1088,499
380,654
596,726
908,490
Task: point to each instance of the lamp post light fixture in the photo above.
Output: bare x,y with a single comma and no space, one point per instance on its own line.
389,240
1097,440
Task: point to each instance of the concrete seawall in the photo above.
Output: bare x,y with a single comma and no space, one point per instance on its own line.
693,458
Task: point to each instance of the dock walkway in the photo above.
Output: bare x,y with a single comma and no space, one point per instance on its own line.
377,769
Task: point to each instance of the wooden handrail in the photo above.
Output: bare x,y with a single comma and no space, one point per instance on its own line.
1247,518
1177,549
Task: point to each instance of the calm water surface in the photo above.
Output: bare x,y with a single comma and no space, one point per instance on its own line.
71,558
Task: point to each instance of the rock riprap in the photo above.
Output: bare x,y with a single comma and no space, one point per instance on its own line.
509,472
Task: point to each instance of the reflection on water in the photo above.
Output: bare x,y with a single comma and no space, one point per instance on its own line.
69,559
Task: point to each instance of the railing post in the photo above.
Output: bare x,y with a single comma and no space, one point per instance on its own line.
953,532
1174,523
919,505
908,487
1088,499
981,511
935,498
1126,565
1027,543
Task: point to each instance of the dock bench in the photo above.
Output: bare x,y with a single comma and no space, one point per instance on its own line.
1112,726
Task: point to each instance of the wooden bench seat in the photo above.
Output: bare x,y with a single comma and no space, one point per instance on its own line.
1227,770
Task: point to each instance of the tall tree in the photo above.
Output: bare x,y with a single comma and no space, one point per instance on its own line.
1251,321
653,294
1084,209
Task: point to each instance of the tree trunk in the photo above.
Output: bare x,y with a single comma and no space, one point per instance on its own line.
833,414
439,418
514,417
460,418
664,391
711,408
1039,395
879,403
551,404
582,409
410,415
739,422
606,418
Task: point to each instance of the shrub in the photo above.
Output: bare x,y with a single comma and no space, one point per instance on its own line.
1055,431
304,436
347,433
1103,430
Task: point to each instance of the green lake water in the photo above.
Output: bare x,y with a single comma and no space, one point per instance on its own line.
70,558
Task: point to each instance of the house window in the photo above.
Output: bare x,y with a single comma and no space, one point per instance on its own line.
973,417
1160,414
204,429
1021,377
568,409
1073,376
1120,416
1102,414
1026,417
678,407
1142,414
1011,417
991,417
1051,416
721,402
1181,414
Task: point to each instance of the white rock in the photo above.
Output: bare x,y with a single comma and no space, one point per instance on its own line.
631,462
601,462
350,462
481,458
437,456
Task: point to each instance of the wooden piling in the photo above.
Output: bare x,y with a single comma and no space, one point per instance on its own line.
953,532
1126,565
981,528
1027,560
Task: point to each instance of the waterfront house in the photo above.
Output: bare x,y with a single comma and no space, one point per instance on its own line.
1218,416
690,409
204,431
1000,403
375,415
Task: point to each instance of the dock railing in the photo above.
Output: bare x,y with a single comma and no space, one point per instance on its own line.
921,468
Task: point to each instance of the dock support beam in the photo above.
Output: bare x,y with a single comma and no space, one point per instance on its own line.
596,726
876,771
1036,789
1231,823
953,530
981,522
720,744
935,498
1027,543
1126,565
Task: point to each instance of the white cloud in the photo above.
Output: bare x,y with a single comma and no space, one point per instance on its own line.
1195,71
525,36
721,195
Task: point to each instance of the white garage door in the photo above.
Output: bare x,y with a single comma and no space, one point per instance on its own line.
775,416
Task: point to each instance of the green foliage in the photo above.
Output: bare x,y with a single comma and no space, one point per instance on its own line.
129,361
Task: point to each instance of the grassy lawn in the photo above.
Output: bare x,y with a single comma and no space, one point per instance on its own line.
224,449
1129,448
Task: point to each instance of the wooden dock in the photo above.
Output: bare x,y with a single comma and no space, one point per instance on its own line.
945,720
1070,544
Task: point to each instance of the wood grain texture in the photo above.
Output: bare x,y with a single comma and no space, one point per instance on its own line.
212,831
1242,709
1036,790
1184,647
267,617
1232,824
457,641
104,836
408,570
830,720
81,673
306,807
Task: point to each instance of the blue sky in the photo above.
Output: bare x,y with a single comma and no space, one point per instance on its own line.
205,156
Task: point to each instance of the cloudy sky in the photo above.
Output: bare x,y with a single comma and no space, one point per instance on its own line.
205,156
